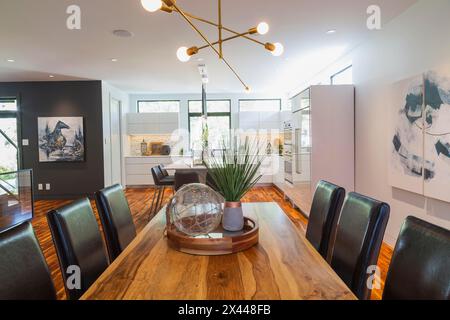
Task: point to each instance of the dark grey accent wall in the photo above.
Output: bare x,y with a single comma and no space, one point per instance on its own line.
64,99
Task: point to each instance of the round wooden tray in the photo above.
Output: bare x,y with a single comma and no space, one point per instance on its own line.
218,242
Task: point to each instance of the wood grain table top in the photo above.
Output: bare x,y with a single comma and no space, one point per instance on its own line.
283,265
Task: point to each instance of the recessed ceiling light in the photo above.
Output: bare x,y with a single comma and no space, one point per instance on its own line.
11,60
122,33
51,76
114,60
331,31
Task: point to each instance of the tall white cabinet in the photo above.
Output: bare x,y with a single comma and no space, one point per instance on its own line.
324,139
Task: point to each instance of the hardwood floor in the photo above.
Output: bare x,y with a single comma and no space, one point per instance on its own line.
139,200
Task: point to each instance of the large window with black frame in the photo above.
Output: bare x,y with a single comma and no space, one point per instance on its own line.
215,129
158,106
9,135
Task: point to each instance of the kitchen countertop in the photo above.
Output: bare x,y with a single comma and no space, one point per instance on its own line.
184,166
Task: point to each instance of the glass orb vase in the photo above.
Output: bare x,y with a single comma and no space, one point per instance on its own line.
196,210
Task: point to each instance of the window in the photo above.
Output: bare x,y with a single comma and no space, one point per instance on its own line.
8,105
213,106
344,76
9,136
158,106
218,123
260,105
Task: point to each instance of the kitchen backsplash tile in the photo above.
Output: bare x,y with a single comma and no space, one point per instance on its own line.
135,142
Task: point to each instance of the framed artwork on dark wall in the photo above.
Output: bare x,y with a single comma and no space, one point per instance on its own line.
61,139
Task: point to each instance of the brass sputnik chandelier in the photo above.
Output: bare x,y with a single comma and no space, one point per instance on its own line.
184,54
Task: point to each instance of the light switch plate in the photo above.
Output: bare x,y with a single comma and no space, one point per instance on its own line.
47,186
40,186
25,142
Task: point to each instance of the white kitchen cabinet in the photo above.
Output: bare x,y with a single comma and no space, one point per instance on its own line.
269,116
138,169
259,120
152,123
249,125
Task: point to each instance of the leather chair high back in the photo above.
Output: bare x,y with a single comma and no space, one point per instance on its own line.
24,274
163,171
161,182
78,243
359,237
116,219
184,178
420,265
324,215
157,175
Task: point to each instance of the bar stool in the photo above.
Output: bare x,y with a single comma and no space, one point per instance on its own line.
165,173
161,182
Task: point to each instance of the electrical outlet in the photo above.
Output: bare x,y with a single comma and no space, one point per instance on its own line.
25,142
40,187
47,186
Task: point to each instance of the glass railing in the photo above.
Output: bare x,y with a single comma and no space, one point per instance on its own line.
16,198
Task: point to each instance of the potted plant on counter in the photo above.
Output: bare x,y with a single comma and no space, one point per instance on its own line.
235,171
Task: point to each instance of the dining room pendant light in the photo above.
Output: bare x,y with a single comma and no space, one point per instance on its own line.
184,54
152,5
263,28
279,49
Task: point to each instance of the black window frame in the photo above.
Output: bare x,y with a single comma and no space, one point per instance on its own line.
18,116
209,114
338,73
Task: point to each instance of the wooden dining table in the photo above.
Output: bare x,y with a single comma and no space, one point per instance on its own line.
284,265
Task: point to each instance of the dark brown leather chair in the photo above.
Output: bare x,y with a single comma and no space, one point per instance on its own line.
420,265
161,183
166,174
359,237
183,178
116,219
24,274
323,218
78,242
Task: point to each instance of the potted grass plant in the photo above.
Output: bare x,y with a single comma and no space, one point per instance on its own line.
235,171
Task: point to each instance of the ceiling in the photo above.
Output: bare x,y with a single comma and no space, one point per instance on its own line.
34,34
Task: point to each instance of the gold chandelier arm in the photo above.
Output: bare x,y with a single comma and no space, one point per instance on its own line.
195,28
224,28
209,43
220,29
224,40
236,74
244,36
190,15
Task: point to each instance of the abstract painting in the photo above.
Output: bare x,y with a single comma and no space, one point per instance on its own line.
61,139
437,136
406,140
420,141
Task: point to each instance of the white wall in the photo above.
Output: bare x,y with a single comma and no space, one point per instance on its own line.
109,92
415,42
